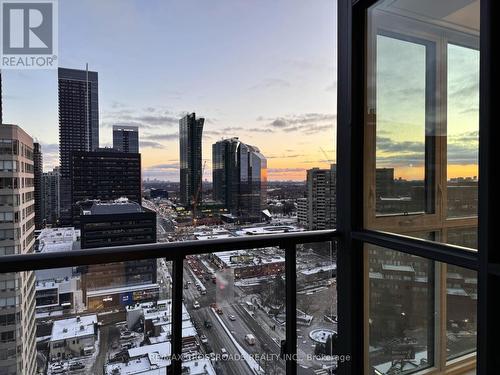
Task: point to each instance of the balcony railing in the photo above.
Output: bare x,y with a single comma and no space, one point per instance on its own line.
176,252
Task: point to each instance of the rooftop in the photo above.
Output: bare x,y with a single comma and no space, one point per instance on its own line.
73,327
58,239
119,206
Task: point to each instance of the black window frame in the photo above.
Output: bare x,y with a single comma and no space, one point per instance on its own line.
352,31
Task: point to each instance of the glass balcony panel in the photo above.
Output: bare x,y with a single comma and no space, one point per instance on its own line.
236,300
317,308
104,319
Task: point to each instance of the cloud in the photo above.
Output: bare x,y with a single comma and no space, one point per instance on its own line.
150,144
50,154
233,131
149,117
462,149
385,144
164,166
283,170
162,137
306,123
284,156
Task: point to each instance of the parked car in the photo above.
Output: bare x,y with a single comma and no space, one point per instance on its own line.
203,339
126,335
127,345
196,305
76,366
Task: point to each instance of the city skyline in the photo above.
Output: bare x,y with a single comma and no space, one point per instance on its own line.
288,91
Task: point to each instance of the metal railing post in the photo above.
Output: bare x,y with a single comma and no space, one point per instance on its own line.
291,308
177,290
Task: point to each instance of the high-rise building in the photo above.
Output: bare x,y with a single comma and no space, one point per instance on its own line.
126,138
190,133
38,171
78,124
17,236
239,173
50,196
321,210
302,211
106,175
117,223
1,108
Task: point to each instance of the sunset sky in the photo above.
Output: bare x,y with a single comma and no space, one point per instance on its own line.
261,70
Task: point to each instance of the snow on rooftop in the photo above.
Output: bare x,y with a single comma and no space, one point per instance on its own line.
124,289
312,271
236,258
141,366
73,327
58,239
162,350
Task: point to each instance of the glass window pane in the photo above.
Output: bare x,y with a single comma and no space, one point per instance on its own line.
421,116
400,122
401,311
463,130
461,311
466,237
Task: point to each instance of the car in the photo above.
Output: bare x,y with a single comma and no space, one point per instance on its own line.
57,369
127,345
250,339
126,335
207,324
203,292
203,339
189,282
196,305
232,318
76,366
224,354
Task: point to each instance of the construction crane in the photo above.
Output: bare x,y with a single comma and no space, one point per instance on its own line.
326,156
197,194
